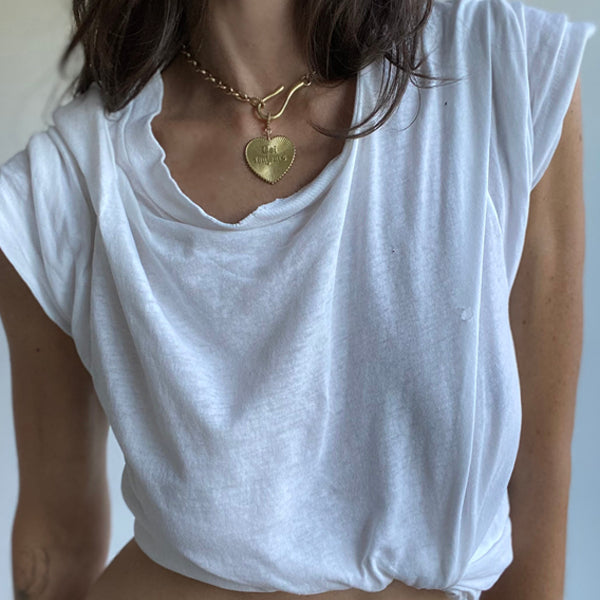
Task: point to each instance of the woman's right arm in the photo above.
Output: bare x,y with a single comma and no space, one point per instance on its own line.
61,528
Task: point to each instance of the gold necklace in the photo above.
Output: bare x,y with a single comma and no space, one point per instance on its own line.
270,158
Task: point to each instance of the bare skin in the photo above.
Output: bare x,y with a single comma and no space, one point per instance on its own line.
204,131
133,576
31,572
204,145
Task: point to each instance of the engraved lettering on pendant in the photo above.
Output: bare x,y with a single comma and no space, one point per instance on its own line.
271,156
270,159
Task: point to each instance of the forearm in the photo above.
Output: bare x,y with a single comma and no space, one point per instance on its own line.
538,514
40,571
53,562
548,337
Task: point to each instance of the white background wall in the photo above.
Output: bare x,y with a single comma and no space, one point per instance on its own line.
32,35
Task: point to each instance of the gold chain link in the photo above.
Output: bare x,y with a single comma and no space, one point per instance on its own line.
257,103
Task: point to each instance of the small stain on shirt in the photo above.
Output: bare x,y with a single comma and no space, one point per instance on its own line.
466,313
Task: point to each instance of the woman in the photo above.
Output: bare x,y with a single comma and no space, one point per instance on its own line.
302,341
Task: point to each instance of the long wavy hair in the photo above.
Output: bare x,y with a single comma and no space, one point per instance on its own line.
124,42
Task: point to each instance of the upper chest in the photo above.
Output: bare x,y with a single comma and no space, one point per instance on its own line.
210,168
206,157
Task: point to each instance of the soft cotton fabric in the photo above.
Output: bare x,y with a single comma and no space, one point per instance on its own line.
325,394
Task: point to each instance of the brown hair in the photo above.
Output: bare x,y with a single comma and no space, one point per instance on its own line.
125,41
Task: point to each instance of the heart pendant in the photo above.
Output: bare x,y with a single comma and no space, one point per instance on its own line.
270,159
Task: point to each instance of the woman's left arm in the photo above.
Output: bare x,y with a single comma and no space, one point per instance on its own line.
546,315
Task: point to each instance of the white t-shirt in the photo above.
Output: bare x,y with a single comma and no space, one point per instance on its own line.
325,394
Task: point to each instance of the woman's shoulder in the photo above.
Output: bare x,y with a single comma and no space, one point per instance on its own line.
82,116
477,20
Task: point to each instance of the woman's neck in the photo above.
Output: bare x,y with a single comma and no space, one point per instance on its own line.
251,45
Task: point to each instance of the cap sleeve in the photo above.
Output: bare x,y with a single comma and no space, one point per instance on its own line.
45,223
554,47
